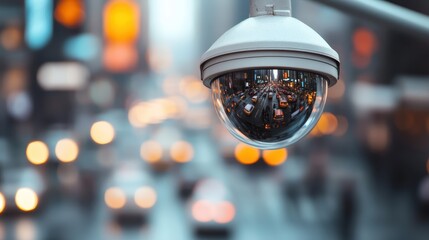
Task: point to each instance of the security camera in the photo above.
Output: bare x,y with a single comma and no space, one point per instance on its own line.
269,76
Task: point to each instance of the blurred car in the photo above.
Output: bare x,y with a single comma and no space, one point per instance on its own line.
270,95
255,99
212,210
283,102
248,109
130,194
267,126
278,115
23,190
291,97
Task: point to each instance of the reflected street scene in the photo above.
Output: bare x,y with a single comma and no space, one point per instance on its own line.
269,105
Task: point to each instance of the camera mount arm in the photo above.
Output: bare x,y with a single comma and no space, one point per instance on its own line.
270,7
385,13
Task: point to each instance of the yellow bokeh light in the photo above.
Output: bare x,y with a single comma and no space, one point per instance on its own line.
155,111
182,152
121,21
115,198
246,154
26,199
102,132
66,150
151,151
37,152
2,202
275,157
145,197
70,13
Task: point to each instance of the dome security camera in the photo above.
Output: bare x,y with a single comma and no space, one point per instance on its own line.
269,76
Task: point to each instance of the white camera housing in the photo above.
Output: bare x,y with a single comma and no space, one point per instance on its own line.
270,39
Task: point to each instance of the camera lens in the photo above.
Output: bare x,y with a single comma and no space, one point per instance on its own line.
269,108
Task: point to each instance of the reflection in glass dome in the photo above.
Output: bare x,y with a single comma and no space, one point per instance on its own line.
269,108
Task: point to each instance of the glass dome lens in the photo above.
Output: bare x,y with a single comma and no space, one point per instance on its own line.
269,108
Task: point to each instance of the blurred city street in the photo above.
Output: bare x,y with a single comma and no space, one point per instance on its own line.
107,131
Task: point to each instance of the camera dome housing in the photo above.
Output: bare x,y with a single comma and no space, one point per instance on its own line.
269,77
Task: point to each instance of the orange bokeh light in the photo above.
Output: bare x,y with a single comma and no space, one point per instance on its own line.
69,13
151,151
66,150
275,157
364,42
102,132
206,211
314,132
120,57
37,152
26,199
121,21
246,154
145,197
327,124
115,198
182,152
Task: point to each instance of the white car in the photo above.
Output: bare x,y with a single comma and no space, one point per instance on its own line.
22,190
254,99
130,194
211,209
248,109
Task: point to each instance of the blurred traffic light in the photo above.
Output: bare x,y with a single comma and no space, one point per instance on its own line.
121,21
121,31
